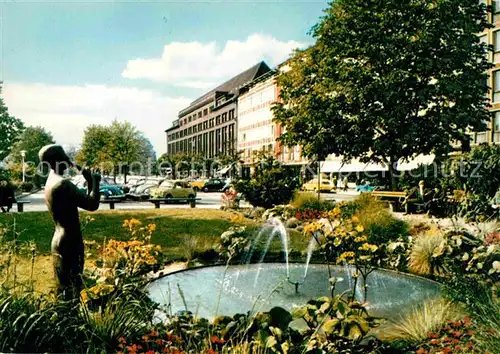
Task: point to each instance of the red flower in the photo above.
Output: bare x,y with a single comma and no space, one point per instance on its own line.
421,351
447,350
434,342
150,351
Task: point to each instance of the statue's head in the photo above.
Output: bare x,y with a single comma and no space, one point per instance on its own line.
55,157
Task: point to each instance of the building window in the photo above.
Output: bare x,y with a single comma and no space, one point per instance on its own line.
217,120
199,114
190,131
231,114
496,127
205,111
224,117
496,86
189,119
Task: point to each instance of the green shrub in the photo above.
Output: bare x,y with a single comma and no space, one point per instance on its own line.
380,226
26,187
309,201
270,185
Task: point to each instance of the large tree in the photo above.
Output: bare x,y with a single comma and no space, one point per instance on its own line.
387,80
114,148
10,128
31,140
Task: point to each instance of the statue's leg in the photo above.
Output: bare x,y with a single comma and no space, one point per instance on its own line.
68,275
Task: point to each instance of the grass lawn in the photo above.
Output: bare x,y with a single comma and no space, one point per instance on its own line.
174,227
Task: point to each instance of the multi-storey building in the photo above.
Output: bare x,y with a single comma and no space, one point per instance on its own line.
257,132
492,37
208,126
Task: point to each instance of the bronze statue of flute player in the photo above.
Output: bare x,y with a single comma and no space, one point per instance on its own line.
63,199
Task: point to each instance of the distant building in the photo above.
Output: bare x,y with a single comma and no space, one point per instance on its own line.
492,37
209,125
257,132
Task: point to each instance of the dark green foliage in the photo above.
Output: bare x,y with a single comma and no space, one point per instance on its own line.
380,225
35,324
31,140
480,170
387,80
10,128
26,186
270,184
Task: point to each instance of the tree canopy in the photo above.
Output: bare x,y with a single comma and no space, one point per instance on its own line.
115,148
387,80
31,140
10,128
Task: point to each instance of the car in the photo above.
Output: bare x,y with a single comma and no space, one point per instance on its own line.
365,188
325,185
143,191
214,185
173,189
106,191
198,184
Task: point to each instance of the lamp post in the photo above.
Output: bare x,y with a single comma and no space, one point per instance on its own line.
23,155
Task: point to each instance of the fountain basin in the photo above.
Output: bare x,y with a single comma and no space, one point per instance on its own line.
220,290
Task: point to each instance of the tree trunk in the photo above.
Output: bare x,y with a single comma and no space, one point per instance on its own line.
392,173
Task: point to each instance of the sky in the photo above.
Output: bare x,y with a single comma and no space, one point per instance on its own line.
68,64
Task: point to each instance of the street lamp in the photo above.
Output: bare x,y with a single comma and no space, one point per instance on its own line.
23,155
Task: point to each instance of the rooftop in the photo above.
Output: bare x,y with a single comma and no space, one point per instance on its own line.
233,84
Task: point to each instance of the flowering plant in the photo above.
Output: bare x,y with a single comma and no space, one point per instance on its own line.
452,337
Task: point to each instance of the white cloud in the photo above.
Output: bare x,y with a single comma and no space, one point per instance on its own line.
66,111
202,65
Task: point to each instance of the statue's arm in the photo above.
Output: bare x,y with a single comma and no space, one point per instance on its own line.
86,201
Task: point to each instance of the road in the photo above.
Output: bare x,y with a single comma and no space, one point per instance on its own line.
208,201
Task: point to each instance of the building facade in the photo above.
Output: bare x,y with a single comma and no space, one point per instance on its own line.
492,37
257,132
208,126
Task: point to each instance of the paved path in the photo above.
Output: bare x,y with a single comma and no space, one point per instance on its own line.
208,201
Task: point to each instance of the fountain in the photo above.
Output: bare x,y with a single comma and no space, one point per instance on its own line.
227,290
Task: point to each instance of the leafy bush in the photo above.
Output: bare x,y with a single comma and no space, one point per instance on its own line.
26,187
233,243
310,201
270,185
31,323
376,218
452,337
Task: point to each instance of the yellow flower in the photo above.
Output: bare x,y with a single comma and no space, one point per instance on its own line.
151,228
312,228
360,228
360,238
355,219
368,247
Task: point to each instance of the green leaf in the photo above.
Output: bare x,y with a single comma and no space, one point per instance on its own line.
330,326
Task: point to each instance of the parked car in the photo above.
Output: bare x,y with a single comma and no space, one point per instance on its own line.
325,185
106,191
214,185
143,191
173,189
198,184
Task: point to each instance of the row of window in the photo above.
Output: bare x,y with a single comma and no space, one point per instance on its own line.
221,141
210,123
193,117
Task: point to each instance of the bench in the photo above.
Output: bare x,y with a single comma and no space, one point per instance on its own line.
157,201
111,202
398,196
20,205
